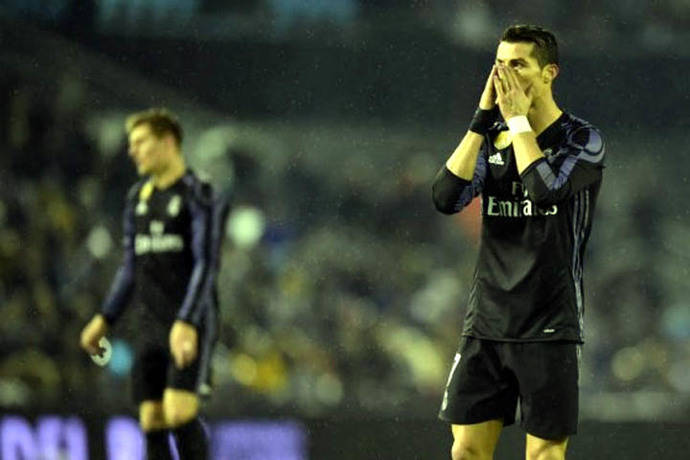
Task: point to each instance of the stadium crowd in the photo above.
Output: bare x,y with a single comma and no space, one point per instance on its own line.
651,26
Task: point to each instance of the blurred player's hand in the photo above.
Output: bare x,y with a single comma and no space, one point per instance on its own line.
183,343
488,99
512,99
92,334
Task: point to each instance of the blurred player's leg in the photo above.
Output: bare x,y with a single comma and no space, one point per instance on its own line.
181,410
477,441
152,422
545,449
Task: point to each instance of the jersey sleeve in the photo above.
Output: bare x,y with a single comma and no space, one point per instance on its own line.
582,167
452,193
196,299
123,284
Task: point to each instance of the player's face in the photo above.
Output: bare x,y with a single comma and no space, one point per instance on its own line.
146,149
535,80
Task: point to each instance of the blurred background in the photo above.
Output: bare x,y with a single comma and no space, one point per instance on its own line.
342,290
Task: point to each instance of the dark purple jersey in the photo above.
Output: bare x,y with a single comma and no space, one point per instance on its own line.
528,284
171,252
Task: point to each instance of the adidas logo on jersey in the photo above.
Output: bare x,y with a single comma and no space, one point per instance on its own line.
496,159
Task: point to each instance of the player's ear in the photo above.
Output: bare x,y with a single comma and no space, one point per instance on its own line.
549,73
169,140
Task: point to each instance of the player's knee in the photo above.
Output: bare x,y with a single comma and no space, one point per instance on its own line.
467,451
152,417
177,415
178,412
546,451
546,455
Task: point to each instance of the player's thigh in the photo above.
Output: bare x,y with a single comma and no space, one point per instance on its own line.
191,377
476,441
478,389
149,373
181,395
537,448
151,415
179,406
548,376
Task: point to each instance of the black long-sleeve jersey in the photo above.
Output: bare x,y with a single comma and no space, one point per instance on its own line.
527,284
172,240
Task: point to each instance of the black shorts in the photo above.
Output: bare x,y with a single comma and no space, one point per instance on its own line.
493,380
154,369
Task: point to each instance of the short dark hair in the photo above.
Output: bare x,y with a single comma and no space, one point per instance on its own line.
545,46
161,121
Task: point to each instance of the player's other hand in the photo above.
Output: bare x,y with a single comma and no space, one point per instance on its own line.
488,99
183,343
512,99
92,333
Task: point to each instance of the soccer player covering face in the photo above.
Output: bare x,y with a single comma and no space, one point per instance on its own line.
171,242
538,171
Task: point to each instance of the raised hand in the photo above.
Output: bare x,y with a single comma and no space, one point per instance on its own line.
511,97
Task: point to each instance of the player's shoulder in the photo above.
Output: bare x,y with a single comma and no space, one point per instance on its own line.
572,123
198,188
134,192
582,134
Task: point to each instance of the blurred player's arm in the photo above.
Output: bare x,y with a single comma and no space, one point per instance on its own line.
183,335
120,289
462,177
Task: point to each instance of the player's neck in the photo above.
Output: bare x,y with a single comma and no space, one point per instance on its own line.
167,177
543,113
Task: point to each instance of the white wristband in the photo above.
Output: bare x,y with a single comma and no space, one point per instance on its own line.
518,124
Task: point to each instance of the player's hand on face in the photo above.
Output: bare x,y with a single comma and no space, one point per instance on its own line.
92,333
511,97
488,99
183,343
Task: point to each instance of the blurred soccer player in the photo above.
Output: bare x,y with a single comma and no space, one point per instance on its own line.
171,242
538,171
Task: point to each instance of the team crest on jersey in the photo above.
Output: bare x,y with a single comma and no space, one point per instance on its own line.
503,140
174,205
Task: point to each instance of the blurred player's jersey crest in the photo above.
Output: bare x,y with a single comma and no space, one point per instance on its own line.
174,205
502,140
